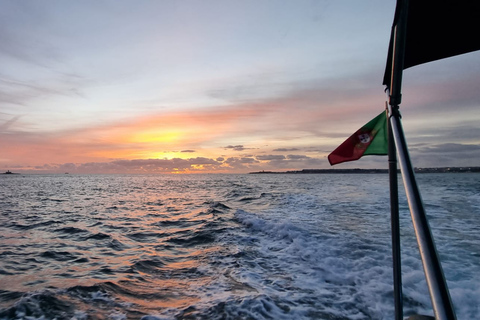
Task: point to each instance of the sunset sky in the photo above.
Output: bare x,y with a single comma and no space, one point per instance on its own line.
97,86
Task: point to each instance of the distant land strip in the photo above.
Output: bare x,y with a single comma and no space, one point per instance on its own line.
417,170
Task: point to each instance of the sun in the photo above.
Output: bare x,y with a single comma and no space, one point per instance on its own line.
155,136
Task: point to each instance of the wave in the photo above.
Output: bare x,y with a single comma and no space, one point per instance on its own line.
146,236
20,226
254,307
6,295
199,238
149,266
44,305
70,230
98,236
59,255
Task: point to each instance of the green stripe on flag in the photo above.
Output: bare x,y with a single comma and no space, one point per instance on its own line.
379,145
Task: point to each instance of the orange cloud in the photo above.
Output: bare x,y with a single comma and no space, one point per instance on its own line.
143,137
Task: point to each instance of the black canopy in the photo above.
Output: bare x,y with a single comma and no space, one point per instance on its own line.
437,29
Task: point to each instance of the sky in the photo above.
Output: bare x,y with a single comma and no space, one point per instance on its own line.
216,86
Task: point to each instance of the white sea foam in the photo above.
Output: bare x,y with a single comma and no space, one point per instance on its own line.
117,316
320,269
354,260
79,315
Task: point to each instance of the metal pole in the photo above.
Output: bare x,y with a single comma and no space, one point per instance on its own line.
442,304
395,225
439,294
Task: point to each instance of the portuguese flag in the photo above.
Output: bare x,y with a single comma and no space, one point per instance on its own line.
371,139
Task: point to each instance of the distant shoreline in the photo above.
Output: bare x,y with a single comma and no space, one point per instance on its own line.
302,171
417,170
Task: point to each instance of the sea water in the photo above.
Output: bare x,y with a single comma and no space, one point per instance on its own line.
265,246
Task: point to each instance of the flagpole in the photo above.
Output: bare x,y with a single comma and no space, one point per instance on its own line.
395,223
439,294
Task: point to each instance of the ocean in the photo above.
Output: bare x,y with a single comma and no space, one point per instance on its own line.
264,246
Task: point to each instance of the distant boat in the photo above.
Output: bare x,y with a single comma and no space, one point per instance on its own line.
9,172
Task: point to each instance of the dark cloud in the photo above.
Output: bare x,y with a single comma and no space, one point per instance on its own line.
165,164
241,164
236,148
188,151
462,132
241,160
298,157
133,166
270,157
456,148
445,155
286,149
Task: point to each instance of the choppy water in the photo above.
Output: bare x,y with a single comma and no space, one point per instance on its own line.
226,246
